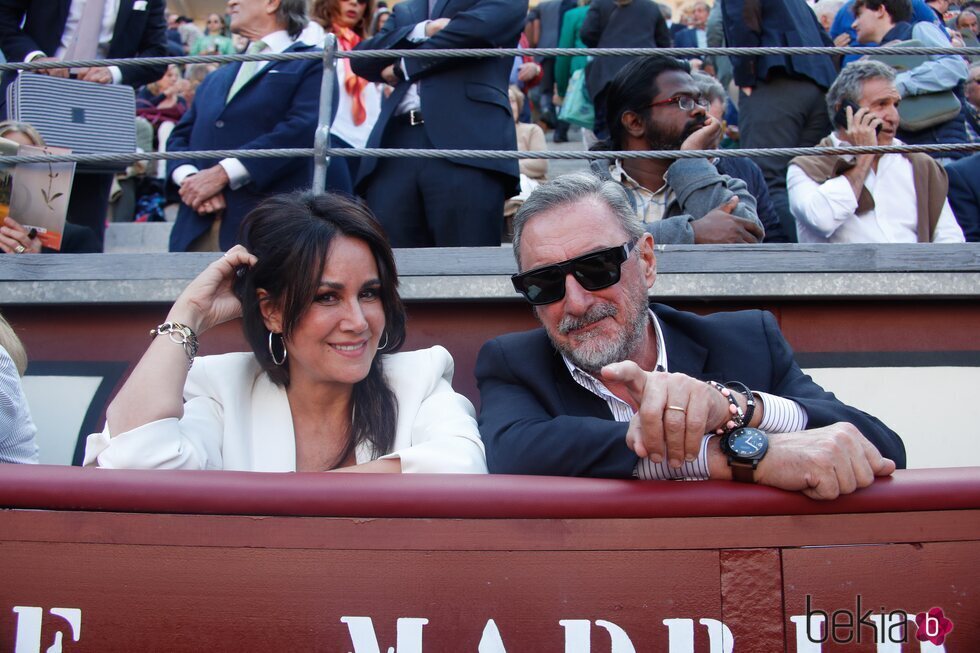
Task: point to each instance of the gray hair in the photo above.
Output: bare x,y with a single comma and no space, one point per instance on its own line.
292,16
709,87
849,84
569,189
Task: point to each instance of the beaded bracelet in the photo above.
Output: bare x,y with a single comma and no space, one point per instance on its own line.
737,419
749,399
181,334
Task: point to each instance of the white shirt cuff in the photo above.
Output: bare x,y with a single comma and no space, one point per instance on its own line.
237,173
696,470
418,34
781,415
183,172
31,56
116,74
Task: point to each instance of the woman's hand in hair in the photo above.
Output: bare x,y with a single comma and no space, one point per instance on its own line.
210,299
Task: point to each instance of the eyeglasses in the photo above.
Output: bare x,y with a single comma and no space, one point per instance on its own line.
593,271
683,102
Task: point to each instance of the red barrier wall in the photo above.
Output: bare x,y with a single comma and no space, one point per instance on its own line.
190,561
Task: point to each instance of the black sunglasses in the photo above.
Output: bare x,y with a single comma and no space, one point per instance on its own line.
593,271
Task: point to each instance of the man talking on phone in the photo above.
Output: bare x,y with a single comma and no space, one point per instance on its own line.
869,198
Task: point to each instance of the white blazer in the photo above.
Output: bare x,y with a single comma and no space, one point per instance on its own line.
236,418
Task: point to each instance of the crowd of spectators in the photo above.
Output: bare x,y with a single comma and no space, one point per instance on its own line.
757,102
313,276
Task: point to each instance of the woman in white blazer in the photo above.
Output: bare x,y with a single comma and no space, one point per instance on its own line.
323,389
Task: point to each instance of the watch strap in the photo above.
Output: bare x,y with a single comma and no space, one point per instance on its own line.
742,472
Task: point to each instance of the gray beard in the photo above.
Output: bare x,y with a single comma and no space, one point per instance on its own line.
595,351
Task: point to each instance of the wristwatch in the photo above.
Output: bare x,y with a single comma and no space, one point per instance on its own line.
745,447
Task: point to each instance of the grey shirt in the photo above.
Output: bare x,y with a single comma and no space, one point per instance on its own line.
695,188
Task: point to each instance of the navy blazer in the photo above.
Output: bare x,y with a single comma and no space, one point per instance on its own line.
138,33
535,419
687,38
464,101
608,25
774,23
964,194
277,108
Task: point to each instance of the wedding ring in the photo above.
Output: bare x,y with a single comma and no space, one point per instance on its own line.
20,249
680,408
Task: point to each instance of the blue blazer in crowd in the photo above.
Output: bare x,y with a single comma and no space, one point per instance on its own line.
776,23
277,108
845,18
686,39
536,419
964,194
464,101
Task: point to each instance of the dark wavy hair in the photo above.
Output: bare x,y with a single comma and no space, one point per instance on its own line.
290,235
322,11
633,89
899,10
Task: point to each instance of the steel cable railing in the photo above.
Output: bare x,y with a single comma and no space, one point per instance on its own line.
322,152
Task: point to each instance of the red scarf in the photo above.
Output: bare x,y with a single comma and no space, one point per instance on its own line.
347,39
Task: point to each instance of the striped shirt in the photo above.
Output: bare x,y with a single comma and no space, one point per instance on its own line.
779,415
16,426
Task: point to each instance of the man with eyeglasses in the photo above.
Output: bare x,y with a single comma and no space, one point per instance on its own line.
615,387
653,103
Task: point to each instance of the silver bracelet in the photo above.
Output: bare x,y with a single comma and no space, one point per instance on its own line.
181,334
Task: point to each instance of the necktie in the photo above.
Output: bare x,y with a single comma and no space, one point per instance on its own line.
85,44
248,69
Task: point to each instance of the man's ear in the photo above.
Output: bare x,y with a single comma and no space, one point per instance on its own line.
645,251
633,124
271,314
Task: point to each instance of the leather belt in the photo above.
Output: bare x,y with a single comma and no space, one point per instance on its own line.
412,118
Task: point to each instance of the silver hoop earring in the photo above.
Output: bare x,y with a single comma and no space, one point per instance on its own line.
272,354
382,347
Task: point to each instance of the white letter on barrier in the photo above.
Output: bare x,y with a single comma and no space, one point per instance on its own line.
680,634
577,635
365,640
490,642
811,644
720,638
620,640
74,618
28,629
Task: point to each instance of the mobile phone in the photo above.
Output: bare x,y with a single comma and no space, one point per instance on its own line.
840,118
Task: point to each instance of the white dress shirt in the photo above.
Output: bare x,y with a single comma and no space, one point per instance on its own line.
827,212
412,100
343,120
237,173
109,14
779,416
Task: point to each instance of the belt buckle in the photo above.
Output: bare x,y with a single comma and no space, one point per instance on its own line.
415,118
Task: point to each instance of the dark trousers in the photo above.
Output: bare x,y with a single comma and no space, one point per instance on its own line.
88,204
434,202
782,112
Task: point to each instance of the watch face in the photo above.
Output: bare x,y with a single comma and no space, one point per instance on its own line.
748,443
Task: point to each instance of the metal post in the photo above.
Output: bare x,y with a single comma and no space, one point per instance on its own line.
321,141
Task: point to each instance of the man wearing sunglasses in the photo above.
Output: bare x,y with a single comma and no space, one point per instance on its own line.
653,103
615,387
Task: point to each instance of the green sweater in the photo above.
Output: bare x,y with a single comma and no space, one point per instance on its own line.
571,24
